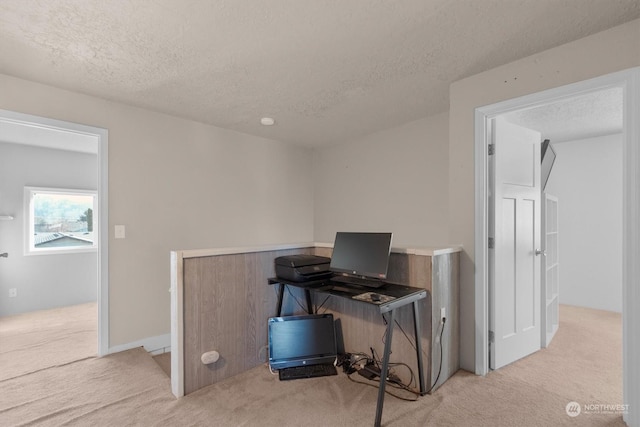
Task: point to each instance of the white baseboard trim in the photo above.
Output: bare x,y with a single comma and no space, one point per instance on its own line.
154,345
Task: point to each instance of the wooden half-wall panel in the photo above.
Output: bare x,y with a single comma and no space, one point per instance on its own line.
445,293
226,304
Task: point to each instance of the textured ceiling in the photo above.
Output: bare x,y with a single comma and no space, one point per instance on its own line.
327,71
585,116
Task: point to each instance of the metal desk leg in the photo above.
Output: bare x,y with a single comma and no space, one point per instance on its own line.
385,368
417,326
307,294
280,296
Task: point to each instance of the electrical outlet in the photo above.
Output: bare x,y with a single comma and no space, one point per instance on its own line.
443,313
13,292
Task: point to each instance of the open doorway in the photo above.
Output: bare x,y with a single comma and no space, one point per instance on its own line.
55,159
627,80
586,183
586,135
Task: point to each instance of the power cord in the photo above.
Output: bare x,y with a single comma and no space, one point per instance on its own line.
320,306
271,370
296,299
369,368
443,321
386,390
300,304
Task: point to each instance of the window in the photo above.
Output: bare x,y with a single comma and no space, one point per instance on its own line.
60,220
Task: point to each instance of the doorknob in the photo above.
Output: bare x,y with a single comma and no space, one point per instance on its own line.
4,255
540,252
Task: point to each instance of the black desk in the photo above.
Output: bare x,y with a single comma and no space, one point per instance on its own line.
399,296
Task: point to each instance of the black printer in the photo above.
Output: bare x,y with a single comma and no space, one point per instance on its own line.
302,268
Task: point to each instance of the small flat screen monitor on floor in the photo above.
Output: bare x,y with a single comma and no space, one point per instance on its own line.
301,340
364,255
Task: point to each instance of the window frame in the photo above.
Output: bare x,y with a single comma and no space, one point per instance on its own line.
29,226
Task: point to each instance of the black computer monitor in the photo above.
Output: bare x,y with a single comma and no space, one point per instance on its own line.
548,157
361,254
301,340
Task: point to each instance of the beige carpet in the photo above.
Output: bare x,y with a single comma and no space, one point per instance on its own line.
164,360
130,388
33,341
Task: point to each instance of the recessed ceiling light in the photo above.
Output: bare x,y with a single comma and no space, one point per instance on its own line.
267,121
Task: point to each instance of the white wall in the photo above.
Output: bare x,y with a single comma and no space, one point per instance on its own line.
395,180
587,179
42,281
597,55
177,184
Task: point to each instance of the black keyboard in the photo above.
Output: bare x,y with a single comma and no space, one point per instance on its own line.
348,280
307,371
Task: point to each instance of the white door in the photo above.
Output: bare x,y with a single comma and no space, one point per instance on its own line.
514,272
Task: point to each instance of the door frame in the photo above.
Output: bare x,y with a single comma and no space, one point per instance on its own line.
102,136
629,81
